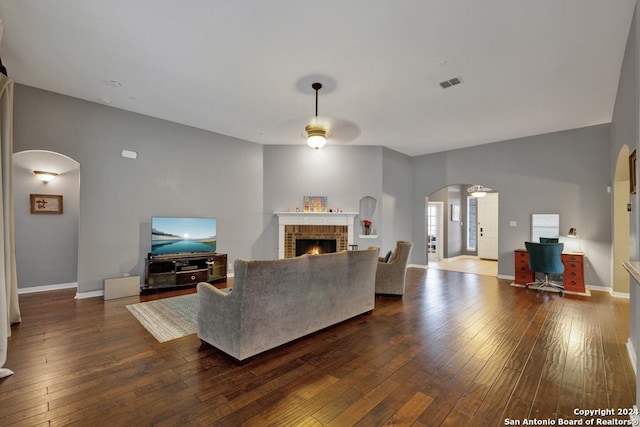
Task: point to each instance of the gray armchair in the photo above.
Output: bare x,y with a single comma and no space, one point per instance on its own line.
390,275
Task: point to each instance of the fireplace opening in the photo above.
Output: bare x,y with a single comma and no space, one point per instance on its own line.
315,246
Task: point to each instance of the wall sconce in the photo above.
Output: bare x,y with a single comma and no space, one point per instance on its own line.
45,176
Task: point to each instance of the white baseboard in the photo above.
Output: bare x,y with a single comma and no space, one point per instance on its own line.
620,295
424,267
90,294
635,418
632,355
47,288
610,291
79,295
502,276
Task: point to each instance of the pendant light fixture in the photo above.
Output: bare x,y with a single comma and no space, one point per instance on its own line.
478,190
316,132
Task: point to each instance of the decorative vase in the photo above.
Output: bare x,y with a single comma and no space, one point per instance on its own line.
367,230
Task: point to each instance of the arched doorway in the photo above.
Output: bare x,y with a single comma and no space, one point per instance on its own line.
457,228
621,222
46,242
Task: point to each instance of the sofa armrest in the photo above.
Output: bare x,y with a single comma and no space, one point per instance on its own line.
218,317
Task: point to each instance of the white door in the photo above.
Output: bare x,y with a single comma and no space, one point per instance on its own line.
434,230
488,226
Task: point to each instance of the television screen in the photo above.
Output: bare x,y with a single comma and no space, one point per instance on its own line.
182,235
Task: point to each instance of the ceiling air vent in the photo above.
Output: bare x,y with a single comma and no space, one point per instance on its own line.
451,82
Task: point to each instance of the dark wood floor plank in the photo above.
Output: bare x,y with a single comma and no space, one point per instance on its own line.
457,349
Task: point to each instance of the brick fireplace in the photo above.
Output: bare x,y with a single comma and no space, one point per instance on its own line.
312,225
293,233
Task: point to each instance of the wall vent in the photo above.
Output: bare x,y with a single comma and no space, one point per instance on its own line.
451,82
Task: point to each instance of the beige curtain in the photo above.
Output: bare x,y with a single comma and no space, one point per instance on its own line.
9,310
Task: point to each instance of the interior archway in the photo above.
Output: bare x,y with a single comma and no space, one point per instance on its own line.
452,234
621,221
46,242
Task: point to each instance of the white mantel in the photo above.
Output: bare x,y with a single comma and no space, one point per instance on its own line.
314,218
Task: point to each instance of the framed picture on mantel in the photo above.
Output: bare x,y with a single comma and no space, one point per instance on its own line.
315,203
46,204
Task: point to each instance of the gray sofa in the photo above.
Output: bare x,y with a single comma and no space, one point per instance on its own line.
277,301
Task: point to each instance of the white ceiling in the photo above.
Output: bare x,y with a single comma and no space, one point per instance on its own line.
245,68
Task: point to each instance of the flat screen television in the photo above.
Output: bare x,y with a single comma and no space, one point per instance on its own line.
171,235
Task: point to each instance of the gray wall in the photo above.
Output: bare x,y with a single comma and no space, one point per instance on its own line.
396,199
46,245
343,174
454,229
186,171
559,172
180,171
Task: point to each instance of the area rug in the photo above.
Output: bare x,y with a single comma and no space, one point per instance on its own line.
169,318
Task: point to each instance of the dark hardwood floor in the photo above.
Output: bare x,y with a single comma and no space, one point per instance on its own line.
459,349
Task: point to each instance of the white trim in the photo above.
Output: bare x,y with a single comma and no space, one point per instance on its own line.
610,291
631,352
620,295
47,288
424,267
90,294
505,277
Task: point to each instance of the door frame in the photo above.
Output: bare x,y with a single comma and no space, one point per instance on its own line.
494,221
439,231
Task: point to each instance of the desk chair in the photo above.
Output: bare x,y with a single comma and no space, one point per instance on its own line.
545,258
549,240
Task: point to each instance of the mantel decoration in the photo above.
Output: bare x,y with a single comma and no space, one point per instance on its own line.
367,226
46,204
315,203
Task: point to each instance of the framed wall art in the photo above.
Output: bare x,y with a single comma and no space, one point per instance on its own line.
455,213
315,203
46,204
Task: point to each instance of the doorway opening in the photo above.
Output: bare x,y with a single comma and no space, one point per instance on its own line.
46,245
434,230
462,231
621,222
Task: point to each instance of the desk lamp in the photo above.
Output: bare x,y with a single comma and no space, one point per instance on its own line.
573,233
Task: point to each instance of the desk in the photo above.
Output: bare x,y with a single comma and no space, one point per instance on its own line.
573,277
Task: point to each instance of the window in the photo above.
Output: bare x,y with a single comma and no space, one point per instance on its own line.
472,220
432,228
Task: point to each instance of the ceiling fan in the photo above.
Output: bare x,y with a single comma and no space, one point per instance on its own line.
316,132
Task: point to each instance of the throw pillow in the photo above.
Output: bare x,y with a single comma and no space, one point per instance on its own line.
387,256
